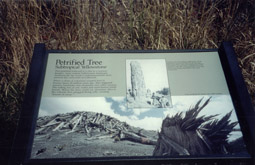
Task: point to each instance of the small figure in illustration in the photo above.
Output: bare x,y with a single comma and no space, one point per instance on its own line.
154,99
163,101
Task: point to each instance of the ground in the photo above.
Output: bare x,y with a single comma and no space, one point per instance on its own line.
79,145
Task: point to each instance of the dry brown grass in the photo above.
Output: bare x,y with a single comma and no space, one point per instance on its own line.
122,24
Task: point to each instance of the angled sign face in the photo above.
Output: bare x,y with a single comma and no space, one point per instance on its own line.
133,106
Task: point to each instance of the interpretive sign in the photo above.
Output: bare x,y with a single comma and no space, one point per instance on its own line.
111,106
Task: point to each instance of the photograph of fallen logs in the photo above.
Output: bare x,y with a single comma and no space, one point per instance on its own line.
88,128
85,134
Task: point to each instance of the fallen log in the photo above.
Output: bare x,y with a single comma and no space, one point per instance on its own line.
38,131
98,116
59,126
70,132
135,138
43,129
99,137
138,133
114,125
51,123
87,129
77,122
102,118
110,124
72,120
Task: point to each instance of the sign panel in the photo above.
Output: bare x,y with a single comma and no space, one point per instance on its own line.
135,105
92,103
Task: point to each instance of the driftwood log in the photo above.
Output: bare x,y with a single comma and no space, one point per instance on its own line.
135,138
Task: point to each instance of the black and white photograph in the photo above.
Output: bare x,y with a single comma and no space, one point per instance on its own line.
83,127
147,84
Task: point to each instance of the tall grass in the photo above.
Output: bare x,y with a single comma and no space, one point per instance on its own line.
115,24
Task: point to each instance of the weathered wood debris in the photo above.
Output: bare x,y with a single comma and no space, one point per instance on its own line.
186,133
94,126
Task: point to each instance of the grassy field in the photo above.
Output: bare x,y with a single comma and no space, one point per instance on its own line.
114,24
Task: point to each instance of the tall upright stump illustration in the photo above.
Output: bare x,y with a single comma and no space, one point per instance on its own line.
137,80
147,84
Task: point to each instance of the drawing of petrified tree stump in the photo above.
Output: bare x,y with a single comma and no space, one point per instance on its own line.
137,80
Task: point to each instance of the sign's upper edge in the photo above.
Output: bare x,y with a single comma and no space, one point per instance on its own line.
134,51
